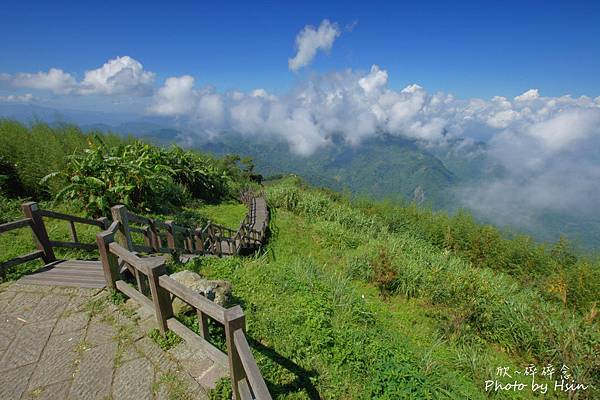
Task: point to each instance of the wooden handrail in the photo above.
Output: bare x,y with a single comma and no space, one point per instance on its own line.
72,218
21,223
150,275
192,298
20,260
253,375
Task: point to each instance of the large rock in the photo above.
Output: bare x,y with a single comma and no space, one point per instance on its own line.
218,291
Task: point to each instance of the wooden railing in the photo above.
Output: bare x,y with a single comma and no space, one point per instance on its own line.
34,220
168,237
155,289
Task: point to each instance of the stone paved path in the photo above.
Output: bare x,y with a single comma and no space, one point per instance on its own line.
72,343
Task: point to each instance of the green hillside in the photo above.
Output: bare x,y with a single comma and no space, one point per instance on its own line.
381,167
350,299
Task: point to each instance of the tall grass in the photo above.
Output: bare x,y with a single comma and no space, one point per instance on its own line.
39,150
483,301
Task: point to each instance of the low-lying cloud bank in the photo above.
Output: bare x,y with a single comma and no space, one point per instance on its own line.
547,146
121,75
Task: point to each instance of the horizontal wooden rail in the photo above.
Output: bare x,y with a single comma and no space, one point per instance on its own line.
53,214
21,223
74,245
194,299
21,259
253,375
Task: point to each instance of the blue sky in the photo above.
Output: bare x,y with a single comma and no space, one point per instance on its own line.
470,49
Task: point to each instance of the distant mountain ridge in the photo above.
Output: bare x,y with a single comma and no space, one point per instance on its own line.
381,167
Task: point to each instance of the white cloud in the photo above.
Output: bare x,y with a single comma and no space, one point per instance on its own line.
309,40
122,75
374,80
24,98
55,80
531,94
176,97
118,76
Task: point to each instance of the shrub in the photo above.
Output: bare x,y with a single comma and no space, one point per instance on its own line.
384,273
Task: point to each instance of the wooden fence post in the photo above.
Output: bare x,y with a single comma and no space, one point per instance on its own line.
119,213
104,221
40,235
170,235
203,324
154,237
160,297
234,320
110,263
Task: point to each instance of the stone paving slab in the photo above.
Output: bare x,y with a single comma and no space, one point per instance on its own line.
72,343
27,345
56,391
57,363
14,382
93,380
133,380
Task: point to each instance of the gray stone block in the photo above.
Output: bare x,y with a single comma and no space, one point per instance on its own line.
50,306
75,321
100,332
155,354
58,360
27,346
94,377
9,326
56,391
14,382
133,380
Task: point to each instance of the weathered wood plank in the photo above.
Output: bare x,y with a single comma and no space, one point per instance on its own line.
257,383
244,390
63,282
21,259
73,245
72,218
194,299
9,226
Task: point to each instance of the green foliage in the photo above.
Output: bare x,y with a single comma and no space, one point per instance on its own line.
144,177
33,152
492,289
10,209
384,274
117,298
222,390
167,341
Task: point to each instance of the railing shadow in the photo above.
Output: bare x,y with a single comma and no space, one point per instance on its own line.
303,377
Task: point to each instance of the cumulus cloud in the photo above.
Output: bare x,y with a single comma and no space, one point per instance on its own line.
310,40
55,80
545,147
122,75
346,104
547,152
176,97
24,98
117,76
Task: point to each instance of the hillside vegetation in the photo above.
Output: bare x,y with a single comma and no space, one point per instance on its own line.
349,299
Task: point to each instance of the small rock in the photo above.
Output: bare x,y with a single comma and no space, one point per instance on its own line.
218,291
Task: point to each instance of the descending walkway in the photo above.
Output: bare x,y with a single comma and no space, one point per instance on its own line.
85,274
71,343
60,337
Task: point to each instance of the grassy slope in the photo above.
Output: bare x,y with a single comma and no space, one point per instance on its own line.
19,242
321,332
320,329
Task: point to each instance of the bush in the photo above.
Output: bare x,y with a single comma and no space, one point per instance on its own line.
384,273
144,177
40,149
